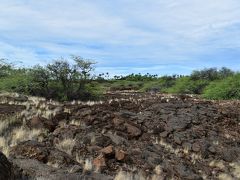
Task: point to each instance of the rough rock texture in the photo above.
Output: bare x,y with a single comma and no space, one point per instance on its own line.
8,170
163,136
5,168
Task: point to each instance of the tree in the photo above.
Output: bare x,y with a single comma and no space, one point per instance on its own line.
5,68
66,74
83,67
40,80
205,74
225,72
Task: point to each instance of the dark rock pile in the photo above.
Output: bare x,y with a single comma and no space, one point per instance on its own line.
163,137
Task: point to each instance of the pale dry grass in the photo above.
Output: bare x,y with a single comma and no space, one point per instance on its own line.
236,169
122,175
224,176
66,145
54,165
22,134
4,146
8,122
219,164
79,159
18,135
88,165
227,173
75,122
178,151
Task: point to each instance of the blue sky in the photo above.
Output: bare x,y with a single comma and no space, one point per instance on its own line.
124,36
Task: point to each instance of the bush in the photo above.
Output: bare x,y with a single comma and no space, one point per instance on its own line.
120,85
228,88
160,85
211,74
187,86
16,82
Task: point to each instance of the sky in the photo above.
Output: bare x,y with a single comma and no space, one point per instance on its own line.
123,36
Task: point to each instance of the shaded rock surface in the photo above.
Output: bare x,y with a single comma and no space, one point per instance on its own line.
5,168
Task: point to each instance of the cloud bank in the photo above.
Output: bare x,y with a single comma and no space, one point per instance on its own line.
156,36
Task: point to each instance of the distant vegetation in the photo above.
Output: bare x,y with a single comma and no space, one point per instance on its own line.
59,80
62,80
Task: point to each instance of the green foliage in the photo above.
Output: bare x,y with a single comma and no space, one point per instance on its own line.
16,82
159,85
40,81
59,80
228,88
211,74
64,81
5,68
120,85
137,77
186,85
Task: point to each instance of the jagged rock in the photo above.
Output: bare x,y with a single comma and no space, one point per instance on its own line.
230,154
126,114
164,134
6,172
159,129
61,116
118,121
41,123
41,152
93,149
186,173
101,140
30,149
120,154
66,132
60,158
107,150
85,112
75,169
177,123
34,169
212,149
133,131
99,162
177,139
182,135
118,140
196,147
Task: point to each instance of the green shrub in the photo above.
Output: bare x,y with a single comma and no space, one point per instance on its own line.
187,86
120,85
228,88
159,85
17,82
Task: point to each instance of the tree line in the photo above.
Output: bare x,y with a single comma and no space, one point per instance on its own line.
62,80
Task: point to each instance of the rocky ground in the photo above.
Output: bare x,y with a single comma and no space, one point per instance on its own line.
126,136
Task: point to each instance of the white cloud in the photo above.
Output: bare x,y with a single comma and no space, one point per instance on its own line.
121,31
